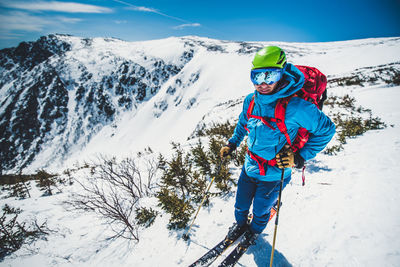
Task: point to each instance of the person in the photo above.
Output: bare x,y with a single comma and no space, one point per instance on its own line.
259,183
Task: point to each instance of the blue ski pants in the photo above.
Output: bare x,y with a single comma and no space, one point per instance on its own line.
262,194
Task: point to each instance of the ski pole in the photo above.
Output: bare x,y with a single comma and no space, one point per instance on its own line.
186,235
277,218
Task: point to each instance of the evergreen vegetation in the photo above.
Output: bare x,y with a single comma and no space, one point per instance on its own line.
14,234
188,173
19,185
47,182
351,121
145,216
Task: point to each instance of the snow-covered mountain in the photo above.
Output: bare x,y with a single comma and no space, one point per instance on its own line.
62,96
60,91
65,98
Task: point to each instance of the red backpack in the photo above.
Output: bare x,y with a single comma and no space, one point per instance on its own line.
313,90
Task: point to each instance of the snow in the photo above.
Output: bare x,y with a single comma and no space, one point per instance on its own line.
346,215
347,212
222,76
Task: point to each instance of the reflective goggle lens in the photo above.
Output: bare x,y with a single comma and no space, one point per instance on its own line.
268,76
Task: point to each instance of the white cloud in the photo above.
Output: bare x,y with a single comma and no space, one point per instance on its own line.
143,9
137,8
182,26
149,9
23,21
155,11
69,20
68,7
120,21
5,35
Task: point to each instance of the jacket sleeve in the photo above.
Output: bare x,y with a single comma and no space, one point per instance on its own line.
320,126
240,132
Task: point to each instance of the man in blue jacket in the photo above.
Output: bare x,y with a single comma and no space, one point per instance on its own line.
273,79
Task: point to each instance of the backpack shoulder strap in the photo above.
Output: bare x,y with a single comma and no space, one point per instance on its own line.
280,111
250,108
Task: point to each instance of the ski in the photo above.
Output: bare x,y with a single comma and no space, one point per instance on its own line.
234,256
208,258
247,239
242,247
213,253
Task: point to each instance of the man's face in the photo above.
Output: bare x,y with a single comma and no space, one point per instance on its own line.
265,89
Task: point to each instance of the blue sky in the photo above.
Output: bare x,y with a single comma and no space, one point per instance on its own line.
291,21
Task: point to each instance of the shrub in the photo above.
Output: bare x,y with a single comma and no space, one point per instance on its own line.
19,190
145,217
46,181
333,150
180,186
222,130
114,188
396,80
351,122
240,155
200,159
17,185
14,234
222,175
356,125
174,204
185,176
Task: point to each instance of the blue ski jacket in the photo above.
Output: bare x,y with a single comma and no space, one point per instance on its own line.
266,142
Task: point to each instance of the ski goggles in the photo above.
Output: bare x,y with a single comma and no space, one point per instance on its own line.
268,75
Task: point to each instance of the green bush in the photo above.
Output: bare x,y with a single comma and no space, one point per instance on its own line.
396,80
333,150
351,122
187,175
145,217
46,182
346,102
240,155
14,234
201,159
19,190
222,130
180,185
223,180
178,207
19,185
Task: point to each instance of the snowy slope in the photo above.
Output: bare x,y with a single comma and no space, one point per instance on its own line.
223,76
346,215
62,96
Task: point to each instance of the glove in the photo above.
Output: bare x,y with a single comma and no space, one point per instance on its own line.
227,150
298,160
285,159
288,159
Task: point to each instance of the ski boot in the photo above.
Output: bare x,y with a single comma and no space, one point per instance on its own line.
249,238
235,231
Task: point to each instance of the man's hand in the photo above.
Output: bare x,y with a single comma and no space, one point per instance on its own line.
288,159
227,150
285,159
